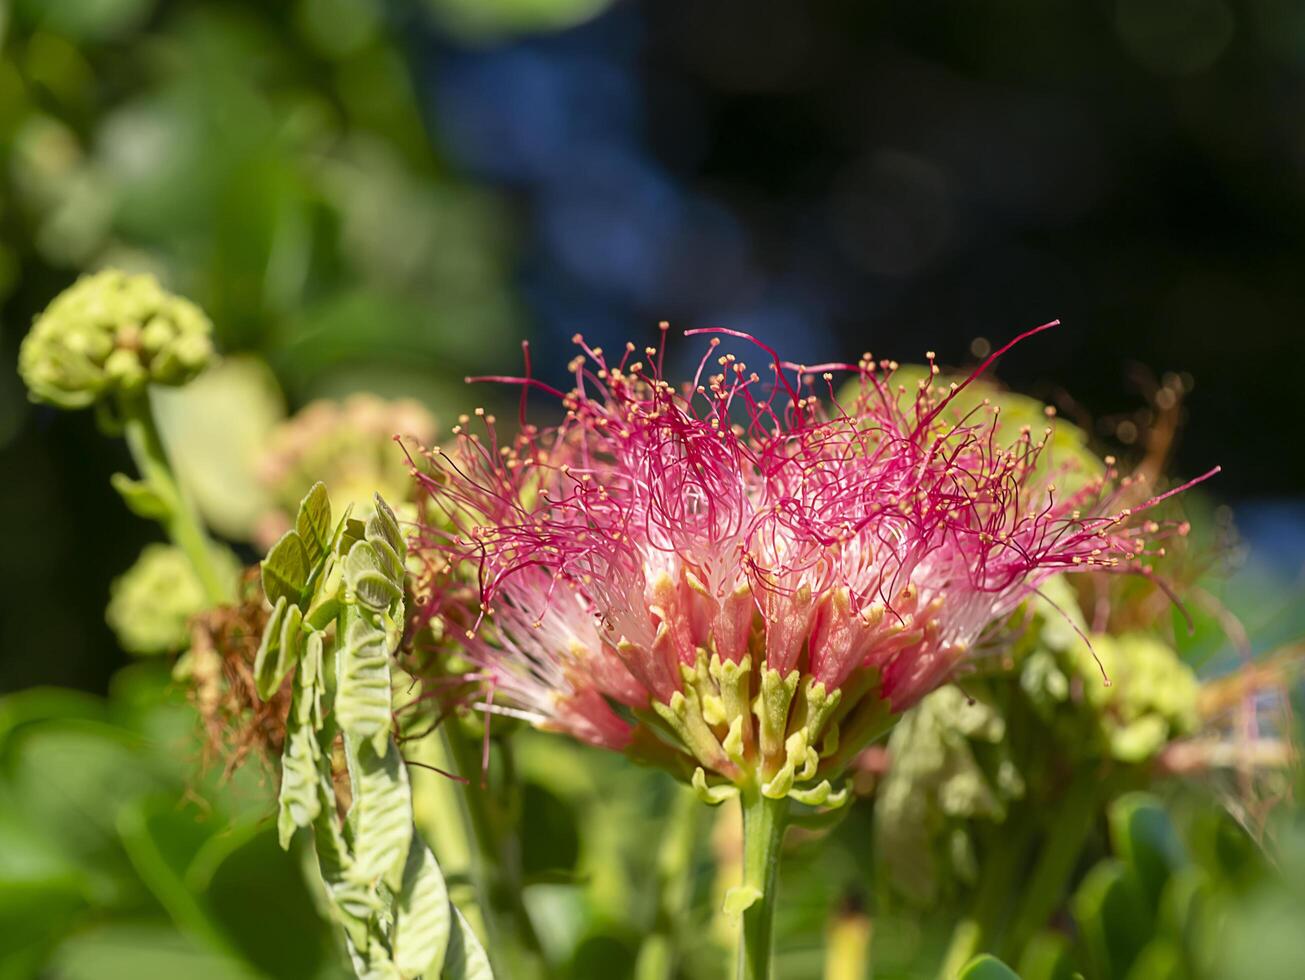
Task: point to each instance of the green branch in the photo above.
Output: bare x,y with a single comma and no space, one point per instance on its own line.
496,869
175,511
764,821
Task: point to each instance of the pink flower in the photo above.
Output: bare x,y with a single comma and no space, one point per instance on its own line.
763,571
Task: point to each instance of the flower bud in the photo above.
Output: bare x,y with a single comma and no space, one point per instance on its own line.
113,333
151,604
349,445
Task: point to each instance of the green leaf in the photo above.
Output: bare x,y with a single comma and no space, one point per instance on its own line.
161,841
1184,904
33,916
1161,959
43,891
328,593
384,526
550,839
1113,916
312,679
313,523
986,967
354,904
372,961
1144,837
391,563
342,529
271,639
466,958
216,429
298,803
422,918
141,498
129,952
302,758
381,814
352,530
69,778
282,641
258,894
89,24
40,704
362,697
292,639
286,569
370,577
1046,957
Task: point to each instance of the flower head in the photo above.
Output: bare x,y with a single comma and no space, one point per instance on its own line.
113,333
347,444
748,577
152,603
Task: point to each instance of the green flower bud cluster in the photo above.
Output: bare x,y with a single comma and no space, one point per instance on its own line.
1133,692
113,333
151,604
1151,697
348,444
950,767
953,769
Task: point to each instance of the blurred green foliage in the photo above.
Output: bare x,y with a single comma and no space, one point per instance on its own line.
479,20
268,161
151,604
271,163
123,855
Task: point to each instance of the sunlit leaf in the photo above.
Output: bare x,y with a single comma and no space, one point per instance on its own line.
466,958
286,569
362,699
279,648
986,967
301,758
422,919
381,815
313,522
370,577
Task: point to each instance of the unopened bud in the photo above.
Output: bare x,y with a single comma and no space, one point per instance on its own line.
112,333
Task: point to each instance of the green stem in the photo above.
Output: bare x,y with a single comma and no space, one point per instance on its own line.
179,518
1066,834
658,952
1003,861
1005,850
764,821
441,816
961,948
497,868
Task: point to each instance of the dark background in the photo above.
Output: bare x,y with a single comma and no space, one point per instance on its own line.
832,177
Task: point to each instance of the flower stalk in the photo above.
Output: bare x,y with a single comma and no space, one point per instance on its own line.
1066,836
496,865
764,822
175,510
